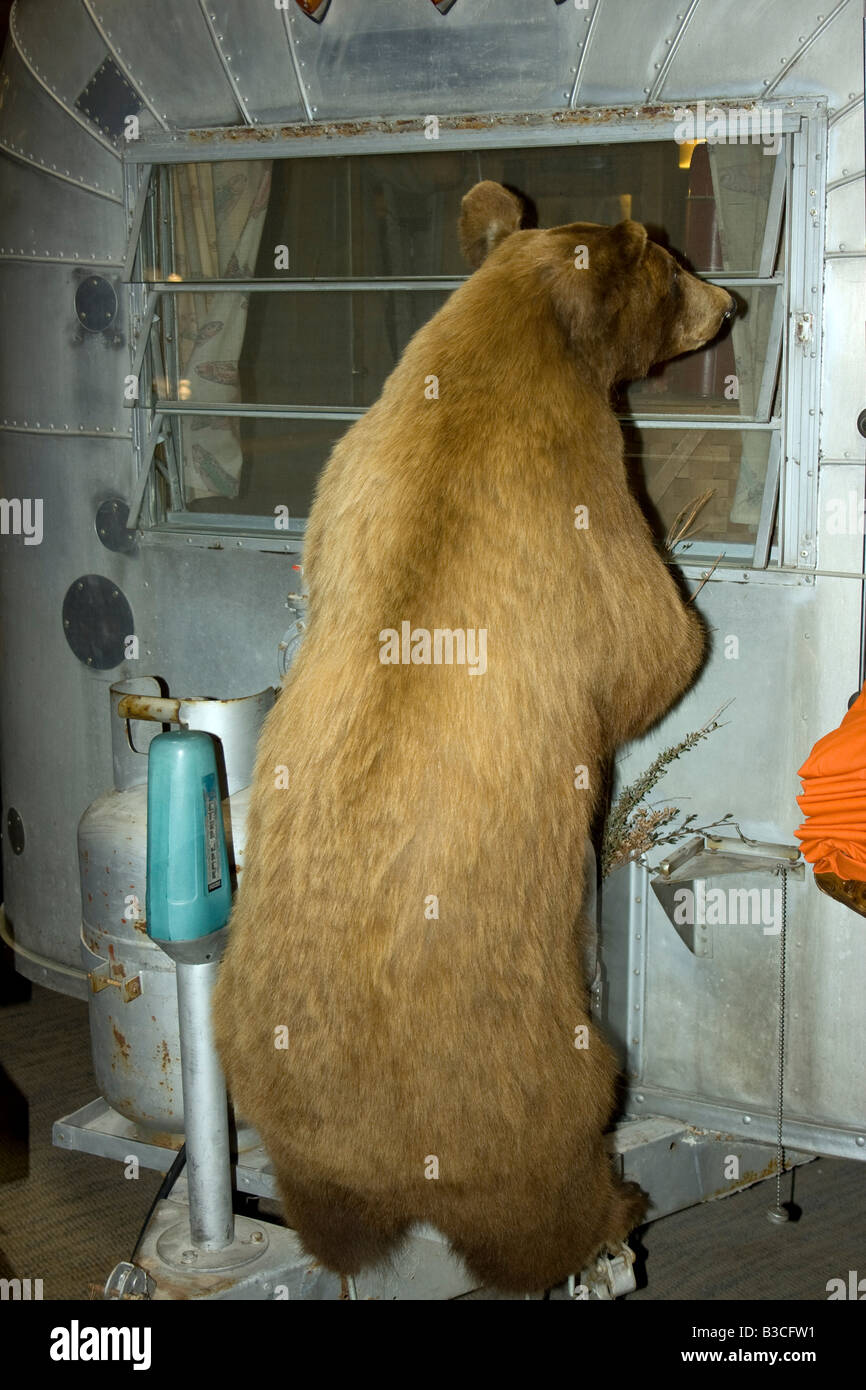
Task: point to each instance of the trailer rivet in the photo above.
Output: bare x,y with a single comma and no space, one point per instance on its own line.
747,1119
860,1141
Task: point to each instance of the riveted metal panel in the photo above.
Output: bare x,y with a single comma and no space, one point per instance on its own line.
59,43
397,59
56,749
833,63
846,222
612,71
737,50
841,519
46,218
35,128
845,154
254,42
167,51
709,1025
188,647
68,379
844,365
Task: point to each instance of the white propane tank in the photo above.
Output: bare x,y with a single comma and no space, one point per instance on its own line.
132,991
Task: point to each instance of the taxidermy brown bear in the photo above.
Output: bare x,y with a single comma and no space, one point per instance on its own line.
402,1012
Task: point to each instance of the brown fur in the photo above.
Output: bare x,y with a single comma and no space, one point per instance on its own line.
455,1037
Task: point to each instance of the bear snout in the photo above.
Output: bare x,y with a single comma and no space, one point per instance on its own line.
711,310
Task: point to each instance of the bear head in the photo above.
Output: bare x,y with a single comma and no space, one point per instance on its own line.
623,302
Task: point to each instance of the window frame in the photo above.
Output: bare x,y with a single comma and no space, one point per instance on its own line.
791,487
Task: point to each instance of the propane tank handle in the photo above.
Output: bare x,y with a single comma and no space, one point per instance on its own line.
154,707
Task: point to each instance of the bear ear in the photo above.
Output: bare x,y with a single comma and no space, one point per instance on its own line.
488,214
625,244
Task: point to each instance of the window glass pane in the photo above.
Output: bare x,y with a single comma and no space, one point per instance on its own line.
333,348
395,214
250,466
732,377
671,469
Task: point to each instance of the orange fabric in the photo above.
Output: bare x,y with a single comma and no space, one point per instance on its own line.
833,836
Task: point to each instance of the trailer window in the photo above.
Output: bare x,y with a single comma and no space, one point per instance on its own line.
278,294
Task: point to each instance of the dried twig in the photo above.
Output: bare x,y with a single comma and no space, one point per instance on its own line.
629,824
684,519
709,572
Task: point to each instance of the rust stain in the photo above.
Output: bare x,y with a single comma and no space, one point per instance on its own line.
580,117
748,1179
140,924
118,969
177,1289
165,1063
122,1044
164,1140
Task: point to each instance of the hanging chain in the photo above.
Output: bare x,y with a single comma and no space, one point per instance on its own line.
780,1152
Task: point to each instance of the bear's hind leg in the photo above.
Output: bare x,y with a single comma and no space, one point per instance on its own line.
529,1255
342,1229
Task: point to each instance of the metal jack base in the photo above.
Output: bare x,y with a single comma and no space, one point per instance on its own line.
176,1248
264,1262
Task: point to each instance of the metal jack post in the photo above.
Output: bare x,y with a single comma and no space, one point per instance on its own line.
188,906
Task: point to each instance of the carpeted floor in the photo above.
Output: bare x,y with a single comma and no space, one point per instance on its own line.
68,1218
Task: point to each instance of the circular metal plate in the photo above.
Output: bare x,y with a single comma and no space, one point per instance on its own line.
15,830
97,619
96,304
175,1248
111,527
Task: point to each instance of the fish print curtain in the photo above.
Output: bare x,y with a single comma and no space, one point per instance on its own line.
219,213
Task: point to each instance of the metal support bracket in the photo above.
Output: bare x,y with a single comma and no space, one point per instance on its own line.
714,856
